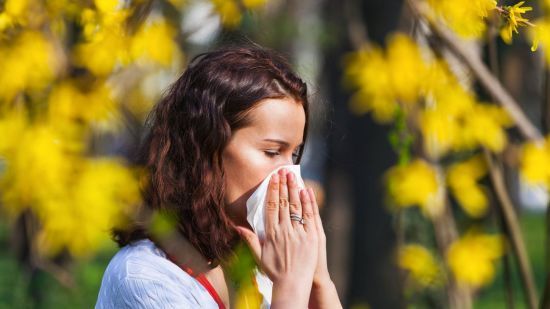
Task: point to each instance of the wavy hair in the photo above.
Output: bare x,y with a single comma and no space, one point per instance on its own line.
188,131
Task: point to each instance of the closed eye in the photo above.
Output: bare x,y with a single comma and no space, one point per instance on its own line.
272,154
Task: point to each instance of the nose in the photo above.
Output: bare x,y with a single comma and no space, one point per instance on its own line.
284,162
289,161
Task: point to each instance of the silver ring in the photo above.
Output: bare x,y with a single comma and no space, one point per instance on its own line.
295,217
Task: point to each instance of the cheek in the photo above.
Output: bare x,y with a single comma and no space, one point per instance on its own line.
244,171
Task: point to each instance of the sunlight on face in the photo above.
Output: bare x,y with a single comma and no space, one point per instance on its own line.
272,139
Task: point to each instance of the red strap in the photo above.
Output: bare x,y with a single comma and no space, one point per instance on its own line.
201,278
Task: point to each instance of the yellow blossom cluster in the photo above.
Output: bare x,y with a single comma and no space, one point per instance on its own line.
472,258
450,117
48,114
465,17
419,183
462,179
107,44
28,62
385,79
416,184
421,265
69,104
76,199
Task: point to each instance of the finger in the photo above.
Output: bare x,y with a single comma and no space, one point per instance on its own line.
294,198
252,241
307,212
284,213
316,213
272,204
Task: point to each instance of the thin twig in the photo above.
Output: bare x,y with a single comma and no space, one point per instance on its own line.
458,296
545,301
506,260
511,220
356,28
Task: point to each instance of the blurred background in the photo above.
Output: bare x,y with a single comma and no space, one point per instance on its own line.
427,139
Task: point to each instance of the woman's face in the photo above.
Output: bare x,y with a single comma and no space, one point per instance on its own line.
272,139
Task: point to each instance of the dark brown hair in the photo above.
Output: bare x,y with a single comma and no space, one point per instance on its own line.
188,131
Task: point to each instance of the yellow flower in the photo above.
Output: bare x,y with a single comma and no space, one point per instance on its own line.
6,21
69,103
440,131
535,162
514,19
540,35
30,63
106,43
252,4
100,197
420,263
417,183
154,42
462,178
38,169
471,258
440,122
13,124
107,6
367,70
229,12
383,80
16,8
466,17
484,125
406,67
248,297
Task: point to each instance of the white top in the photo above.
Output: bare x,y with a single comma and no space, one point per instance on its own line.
140,276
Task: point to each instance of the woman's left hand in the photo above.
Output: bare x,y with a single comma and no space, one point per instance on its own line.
321,275
323,291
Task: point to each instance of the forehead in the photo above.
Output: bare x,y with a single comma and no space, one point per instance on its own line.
282,118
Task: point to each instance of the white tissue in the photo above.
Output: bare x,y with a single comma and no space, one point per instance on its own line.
255,205
255,208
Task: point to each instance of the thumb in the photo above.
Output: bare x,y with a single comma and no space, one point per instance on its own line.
252,241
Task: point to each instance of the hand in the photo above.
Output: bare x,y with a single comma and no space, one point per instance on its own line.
321,275
323,291
288,255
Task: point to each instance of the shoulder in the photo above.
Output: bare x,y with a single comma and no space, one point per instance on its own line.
140,276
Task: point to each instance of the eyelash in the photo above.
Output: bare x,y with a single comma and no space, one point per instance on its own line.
272,154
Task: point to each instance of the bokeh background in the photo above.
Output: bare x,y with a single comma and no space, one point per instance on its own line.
427,145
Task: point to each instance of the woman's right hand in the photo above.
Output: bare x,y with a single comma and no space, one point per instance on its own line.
288,255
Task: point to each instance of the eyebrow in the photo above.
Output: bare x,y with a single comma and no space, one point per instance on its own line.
281,142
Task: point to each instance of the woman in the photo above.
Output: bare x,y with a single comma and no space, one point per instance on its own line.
234,116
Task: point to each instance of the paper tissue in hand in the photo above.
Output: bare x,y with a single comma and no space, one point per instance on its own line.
255,209
255,205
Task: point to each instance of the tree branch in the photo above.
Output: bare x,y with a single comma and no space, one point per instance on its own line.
514,230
